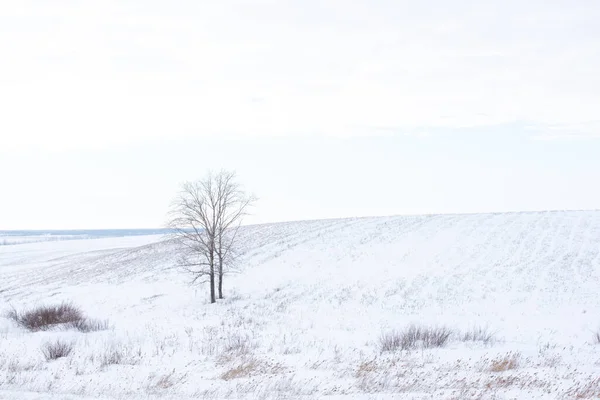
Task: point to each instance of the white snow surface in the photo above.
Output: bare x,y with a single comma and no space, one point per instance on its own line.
303,314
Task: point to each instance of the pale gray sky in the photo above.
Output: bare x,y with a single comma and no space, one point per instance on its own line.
325,108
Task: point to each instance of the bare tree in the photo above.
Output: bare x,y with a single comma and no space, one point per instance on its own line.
232,208
205,219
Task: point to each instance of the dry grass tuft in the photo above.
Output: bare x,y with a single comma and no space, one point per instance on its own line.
239,344
479,334
56,350
391,341
89,325
590,390
249,367
414,337
47,317
167,381
501,381
242,370
505,363
365,368
111,356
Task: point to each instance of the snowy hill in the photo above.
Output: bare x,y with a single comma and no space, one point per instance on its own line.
305,313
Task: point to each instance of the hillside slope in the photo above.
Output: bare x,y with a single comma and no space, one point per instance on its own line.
310,300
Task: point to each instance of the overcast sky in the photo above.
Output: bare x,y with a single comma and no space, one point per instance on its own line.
324,108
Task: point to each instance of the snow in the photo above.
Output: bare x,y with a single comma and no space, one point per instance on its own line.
304,313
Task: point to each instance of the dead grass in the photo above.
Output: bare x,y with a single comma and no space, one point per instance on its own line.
89,325
365,368
507,362
166,381
597,337
111,356
390,373
479,334
67,315
391,341
56,350
251,366
239,344
243,370
590,390
116,354
500,381
45,317
414,337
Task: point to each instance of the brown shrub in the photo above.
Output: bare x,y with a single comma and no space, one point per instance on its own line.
46,317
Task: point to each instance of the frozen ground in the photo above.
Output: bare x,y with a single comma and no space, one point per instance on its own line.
304,315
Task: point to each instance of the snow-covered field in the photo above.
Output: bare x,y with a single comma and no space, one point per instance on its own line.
305,313
7,239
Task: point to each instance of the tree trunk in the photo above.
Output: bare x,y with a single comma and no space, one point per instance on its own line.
220,267
220,278
212,279
212,288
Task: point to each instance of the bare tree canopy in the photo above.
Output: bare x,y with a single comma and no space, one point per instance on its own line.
205,218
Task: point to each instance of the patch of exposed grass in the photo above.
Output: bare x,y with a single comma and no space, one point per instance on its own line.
365,368
45,317
166,381
242,370
414,337
590,390
89,325
251,366
56,350
112,356
479,334
239,344
505,363
67,315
